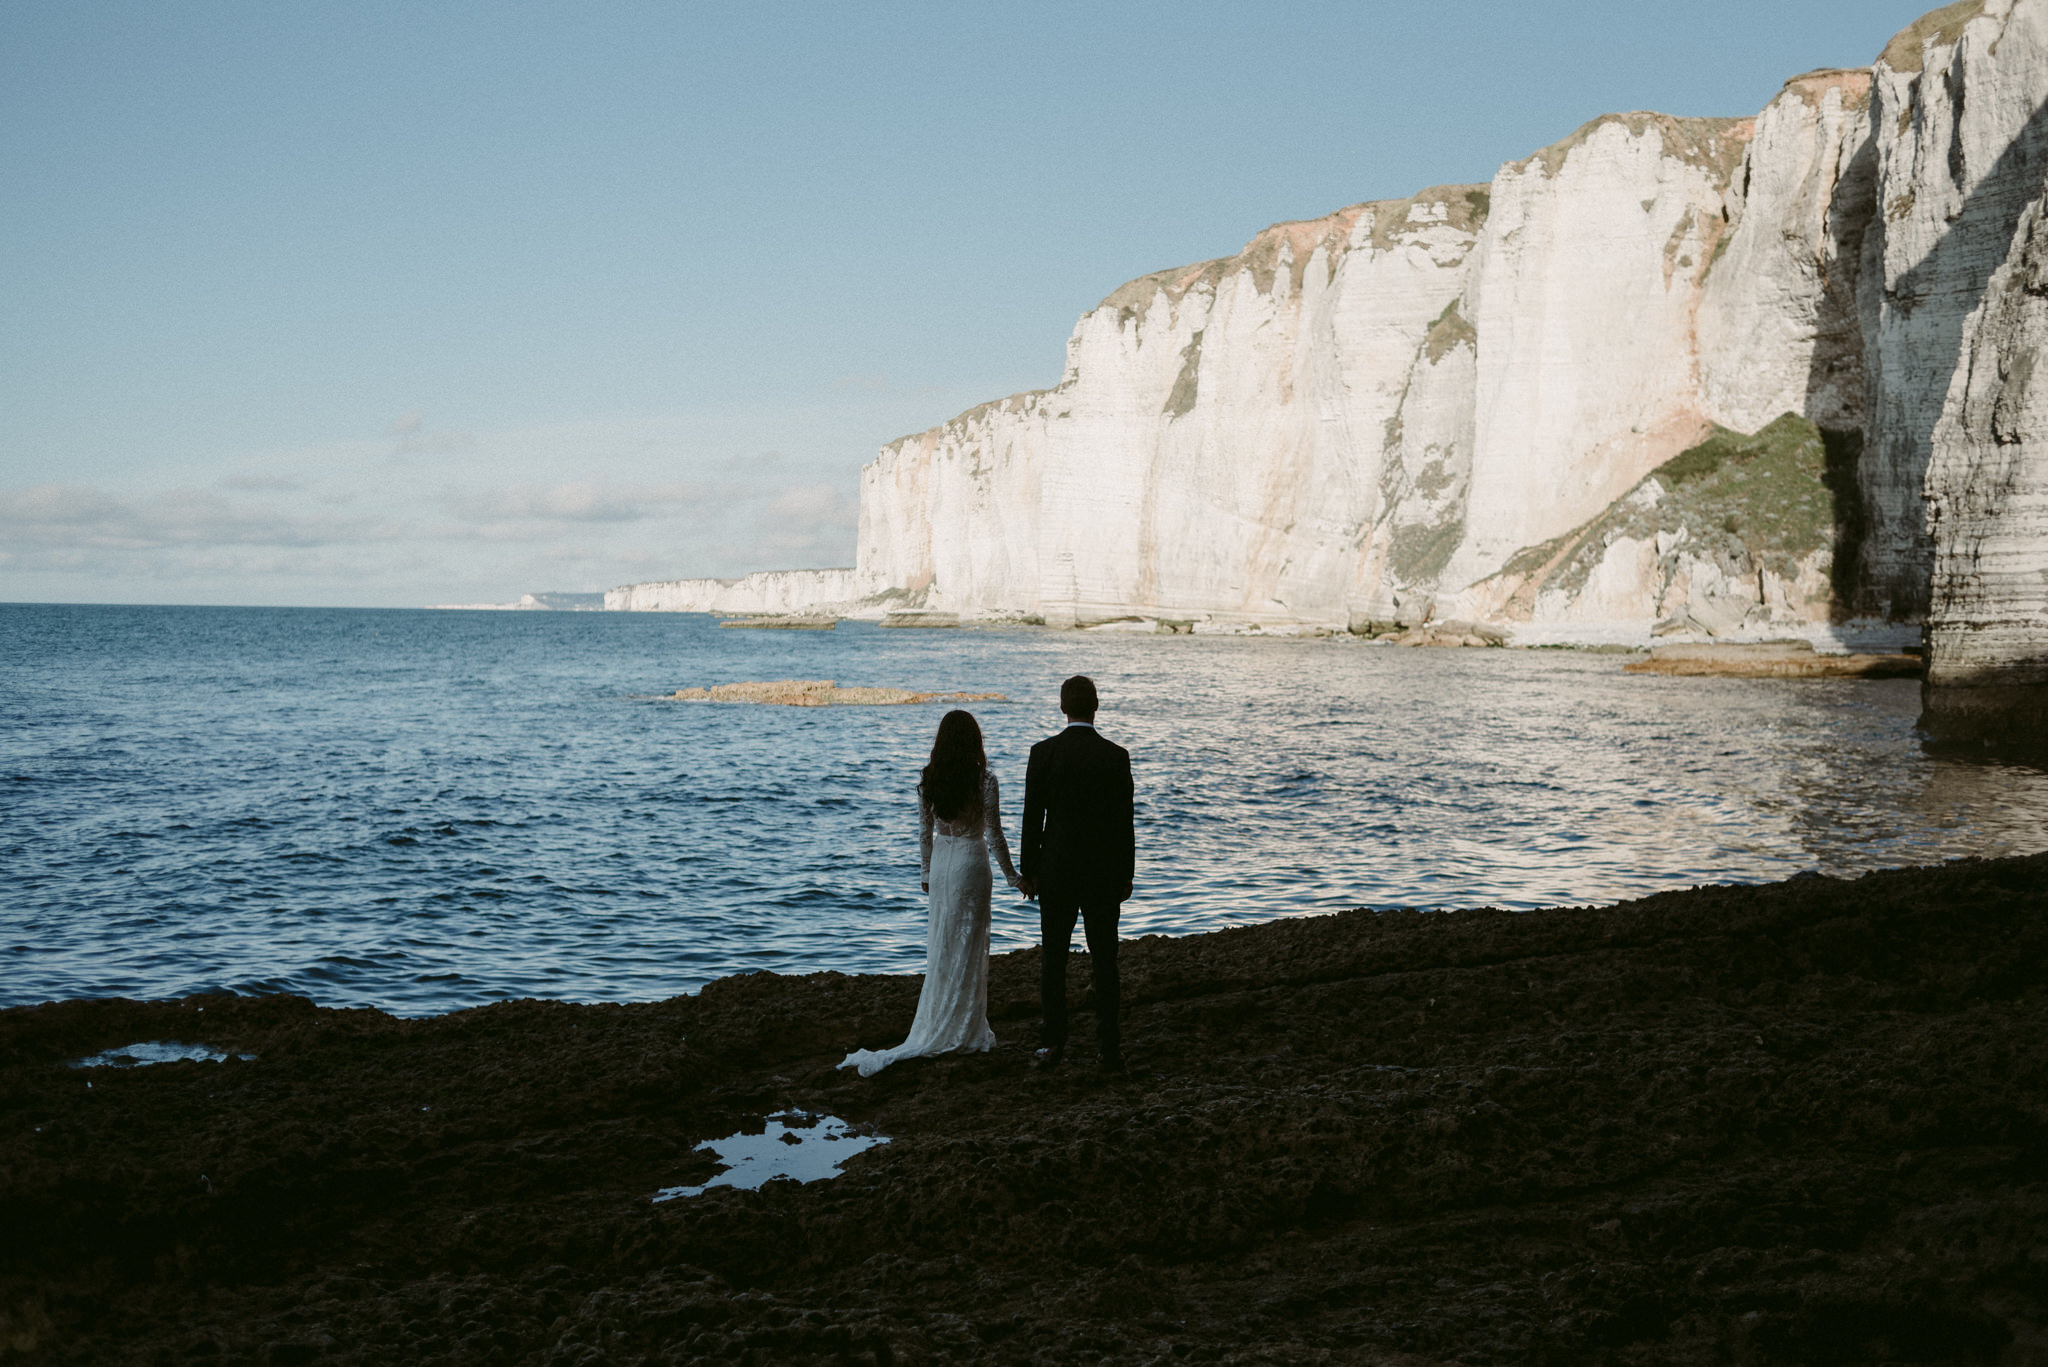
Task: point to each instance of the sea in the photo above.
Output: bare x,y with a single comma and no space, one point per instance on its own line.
426,811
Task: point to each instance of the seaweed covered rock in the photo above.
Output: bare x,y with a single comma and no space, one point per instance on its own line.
1787,1124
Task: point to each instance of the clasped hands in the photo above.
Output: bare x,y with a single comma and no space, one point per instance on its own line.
1029,887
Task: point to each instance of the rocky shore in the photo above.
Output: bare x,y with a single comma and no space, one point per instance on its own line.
1789,1124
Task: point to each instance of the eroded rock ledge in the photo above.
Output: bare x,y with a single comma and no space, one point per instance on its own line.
1773,660
1796,1123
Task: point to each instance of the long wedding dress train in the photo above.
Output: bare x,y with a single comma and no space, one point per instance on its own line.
952,1009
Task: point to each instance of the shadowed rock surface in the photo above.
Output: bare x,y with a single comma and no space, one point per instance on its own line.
1797,1123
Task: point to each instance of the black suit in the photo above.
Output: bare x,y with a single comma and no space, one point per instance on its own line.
1080,847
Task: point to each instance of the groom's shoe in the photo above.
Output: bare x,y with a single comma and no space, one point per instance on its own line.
1050,1056
1110,1062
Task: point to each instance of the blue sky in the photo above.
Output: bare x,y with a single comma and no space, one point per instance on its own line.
391,304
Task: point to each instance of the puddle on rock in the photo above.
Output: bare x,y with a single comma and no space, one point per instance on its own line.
155,1051
798,1146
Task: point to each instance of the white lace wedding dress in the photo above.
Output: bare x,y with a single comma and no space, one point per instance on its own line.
952,1010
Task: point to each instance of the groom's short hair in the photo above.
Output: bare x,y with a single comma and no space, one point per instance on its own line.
1077,697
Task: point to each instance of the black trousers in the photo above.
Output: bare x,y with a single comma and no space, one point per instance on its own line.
1056,915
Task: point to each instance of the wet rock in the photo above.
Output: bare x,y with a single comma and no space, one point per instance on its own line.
1772,660
1797,1123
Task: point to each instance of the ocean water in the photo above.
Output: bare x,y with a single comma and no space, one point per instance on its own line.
425,811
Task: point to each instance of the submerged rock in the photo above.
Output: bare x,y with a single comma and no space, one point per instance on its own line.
820,693
782,623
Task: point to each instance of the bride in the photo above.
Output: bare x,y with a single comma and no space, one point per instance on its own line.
961,818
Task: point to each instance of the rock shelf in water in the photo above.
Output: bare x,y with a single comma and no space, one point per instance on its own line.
1773,660
781,623
1789,1124
820,693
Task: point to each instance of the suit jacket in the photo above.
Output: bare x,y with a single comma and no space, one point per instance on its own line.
1080,830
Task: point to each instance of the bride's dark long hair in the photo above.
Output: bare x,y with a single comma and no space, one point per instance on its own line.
952,780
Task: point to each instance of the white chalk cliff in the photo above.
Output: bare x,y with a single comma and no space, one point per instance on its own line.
1274,437
765,592
1966,274
1457,405
1367,417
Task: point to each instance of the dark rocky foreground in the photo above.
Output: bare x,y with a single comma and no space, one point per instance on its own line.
1805,1123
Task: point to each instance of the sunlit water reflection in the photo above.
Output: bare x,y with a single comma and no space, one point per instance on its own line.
424,811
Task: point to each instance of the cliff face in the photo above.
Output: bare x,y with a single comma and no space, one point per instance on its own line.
769,591
1731,537
1962,333
1961,146
1988,484
1780,324
1524,403
1271,436
1367,417
1588,283
1770,329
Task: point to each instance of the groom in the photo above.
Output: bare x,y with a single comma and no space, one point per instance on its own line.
1080,846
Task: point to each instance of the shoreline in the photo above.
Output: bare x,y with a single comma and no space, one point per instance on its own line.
1779,1122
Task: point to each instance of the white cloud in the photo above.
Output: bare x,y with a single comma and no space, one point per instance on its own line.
805,515
70,518
805,525
569,507
814,505
248,483
435,442
588,500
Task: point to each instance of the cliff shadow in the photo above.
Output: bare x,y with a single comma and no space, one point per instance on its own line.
1842,456
1837,383
2001,724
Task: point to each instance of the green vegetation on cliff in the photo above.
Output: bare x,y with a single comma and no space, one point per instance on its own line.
1290,246
1769,497
1420,552
1714,145
1449,330
1908,50
1187,384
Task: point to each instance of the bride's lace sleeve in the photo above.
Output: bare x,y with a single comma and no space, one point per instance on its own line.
992,824
924,836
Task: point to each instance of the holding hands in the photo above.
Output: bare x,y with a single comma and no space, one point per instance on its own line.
1027,886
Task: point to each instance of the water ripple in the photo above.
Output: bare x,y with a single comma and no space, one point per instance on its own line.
425,811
